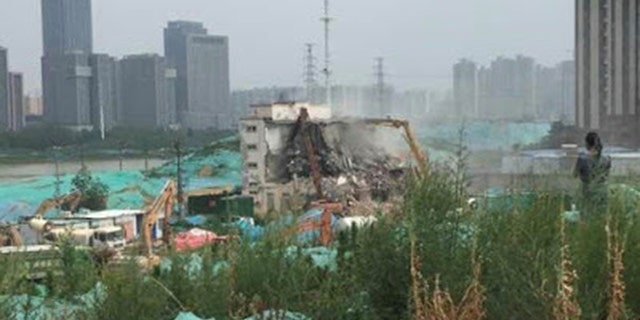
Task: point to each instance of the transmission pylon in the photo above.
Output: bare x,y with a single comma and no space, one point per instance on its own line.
326,19
380,86
310,80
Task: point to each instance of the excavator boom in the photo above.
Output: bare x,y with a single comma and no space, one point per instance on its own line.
10,236
72,200
164,202
302,127
420,157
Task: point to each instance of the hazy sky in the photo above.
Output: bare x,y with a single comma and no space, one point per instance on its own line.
420,39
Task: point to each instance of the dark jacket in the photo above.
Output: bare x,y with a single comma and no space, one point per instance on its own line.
593,170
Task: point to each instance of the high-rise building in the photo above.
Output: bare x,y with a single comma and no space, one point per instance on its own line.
66,26
4,88
465,88
67,89
607,68
144,91
66,71
104,91
548,93
16,102
202,75
567,70
170,77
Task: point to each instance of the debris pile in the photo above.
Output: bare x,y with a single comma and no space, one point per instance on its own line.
352,164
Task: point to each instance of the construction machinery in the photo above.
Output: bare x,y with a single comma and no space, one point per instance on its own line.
420,157
69,201
328,210
302,127
163,204
10,236
100,238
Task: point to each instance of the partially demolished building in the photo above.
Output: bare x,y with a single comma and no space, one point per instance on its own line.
352,156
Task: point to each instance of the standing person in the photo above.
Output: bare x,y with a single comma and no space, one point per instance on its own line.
593,170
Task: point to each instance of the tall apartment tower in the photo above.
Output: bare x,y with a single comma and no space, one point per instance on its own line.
66,71
104,90
16,102
66,26
607,68
144,82
465,88
201,62
66,82
4,88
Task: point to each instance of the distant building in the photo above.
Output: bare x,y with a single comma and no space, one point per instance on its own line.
555,92
66,71
607,69
514,89
465,88
413,104
510,88
144,91
66,26
33,105
548,93
4,88
202,75
16,102
67,89
568,88
170,77
104,91
358,101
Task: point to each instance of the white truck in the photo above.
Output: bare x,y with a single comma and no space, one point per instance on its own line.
111,237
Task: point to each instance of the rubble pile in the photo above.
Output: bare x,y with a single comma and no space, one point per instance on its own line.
355,169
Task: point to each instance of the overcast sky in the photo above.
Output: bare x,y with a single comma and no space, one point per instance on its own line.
420,39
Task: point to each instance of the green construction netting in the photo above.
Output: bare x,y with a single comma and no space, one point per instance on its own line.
221,167
128,189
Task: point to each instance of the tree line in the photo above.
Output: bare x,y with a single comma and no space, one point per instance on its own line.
44,137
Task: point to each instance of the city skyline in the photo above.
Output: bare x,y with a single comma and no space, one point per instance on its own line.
477,33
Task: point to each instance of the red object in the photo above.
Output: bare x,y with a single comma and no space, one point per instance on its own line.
196,238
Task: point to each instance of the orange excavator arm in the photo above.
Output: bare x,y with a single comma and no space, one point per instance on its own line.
310,149
164,202
420,157
10,236
72,199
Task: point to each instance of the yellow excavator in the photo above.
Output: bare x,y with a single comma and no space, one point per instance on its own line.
163,204
421,159
10,236
69,202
